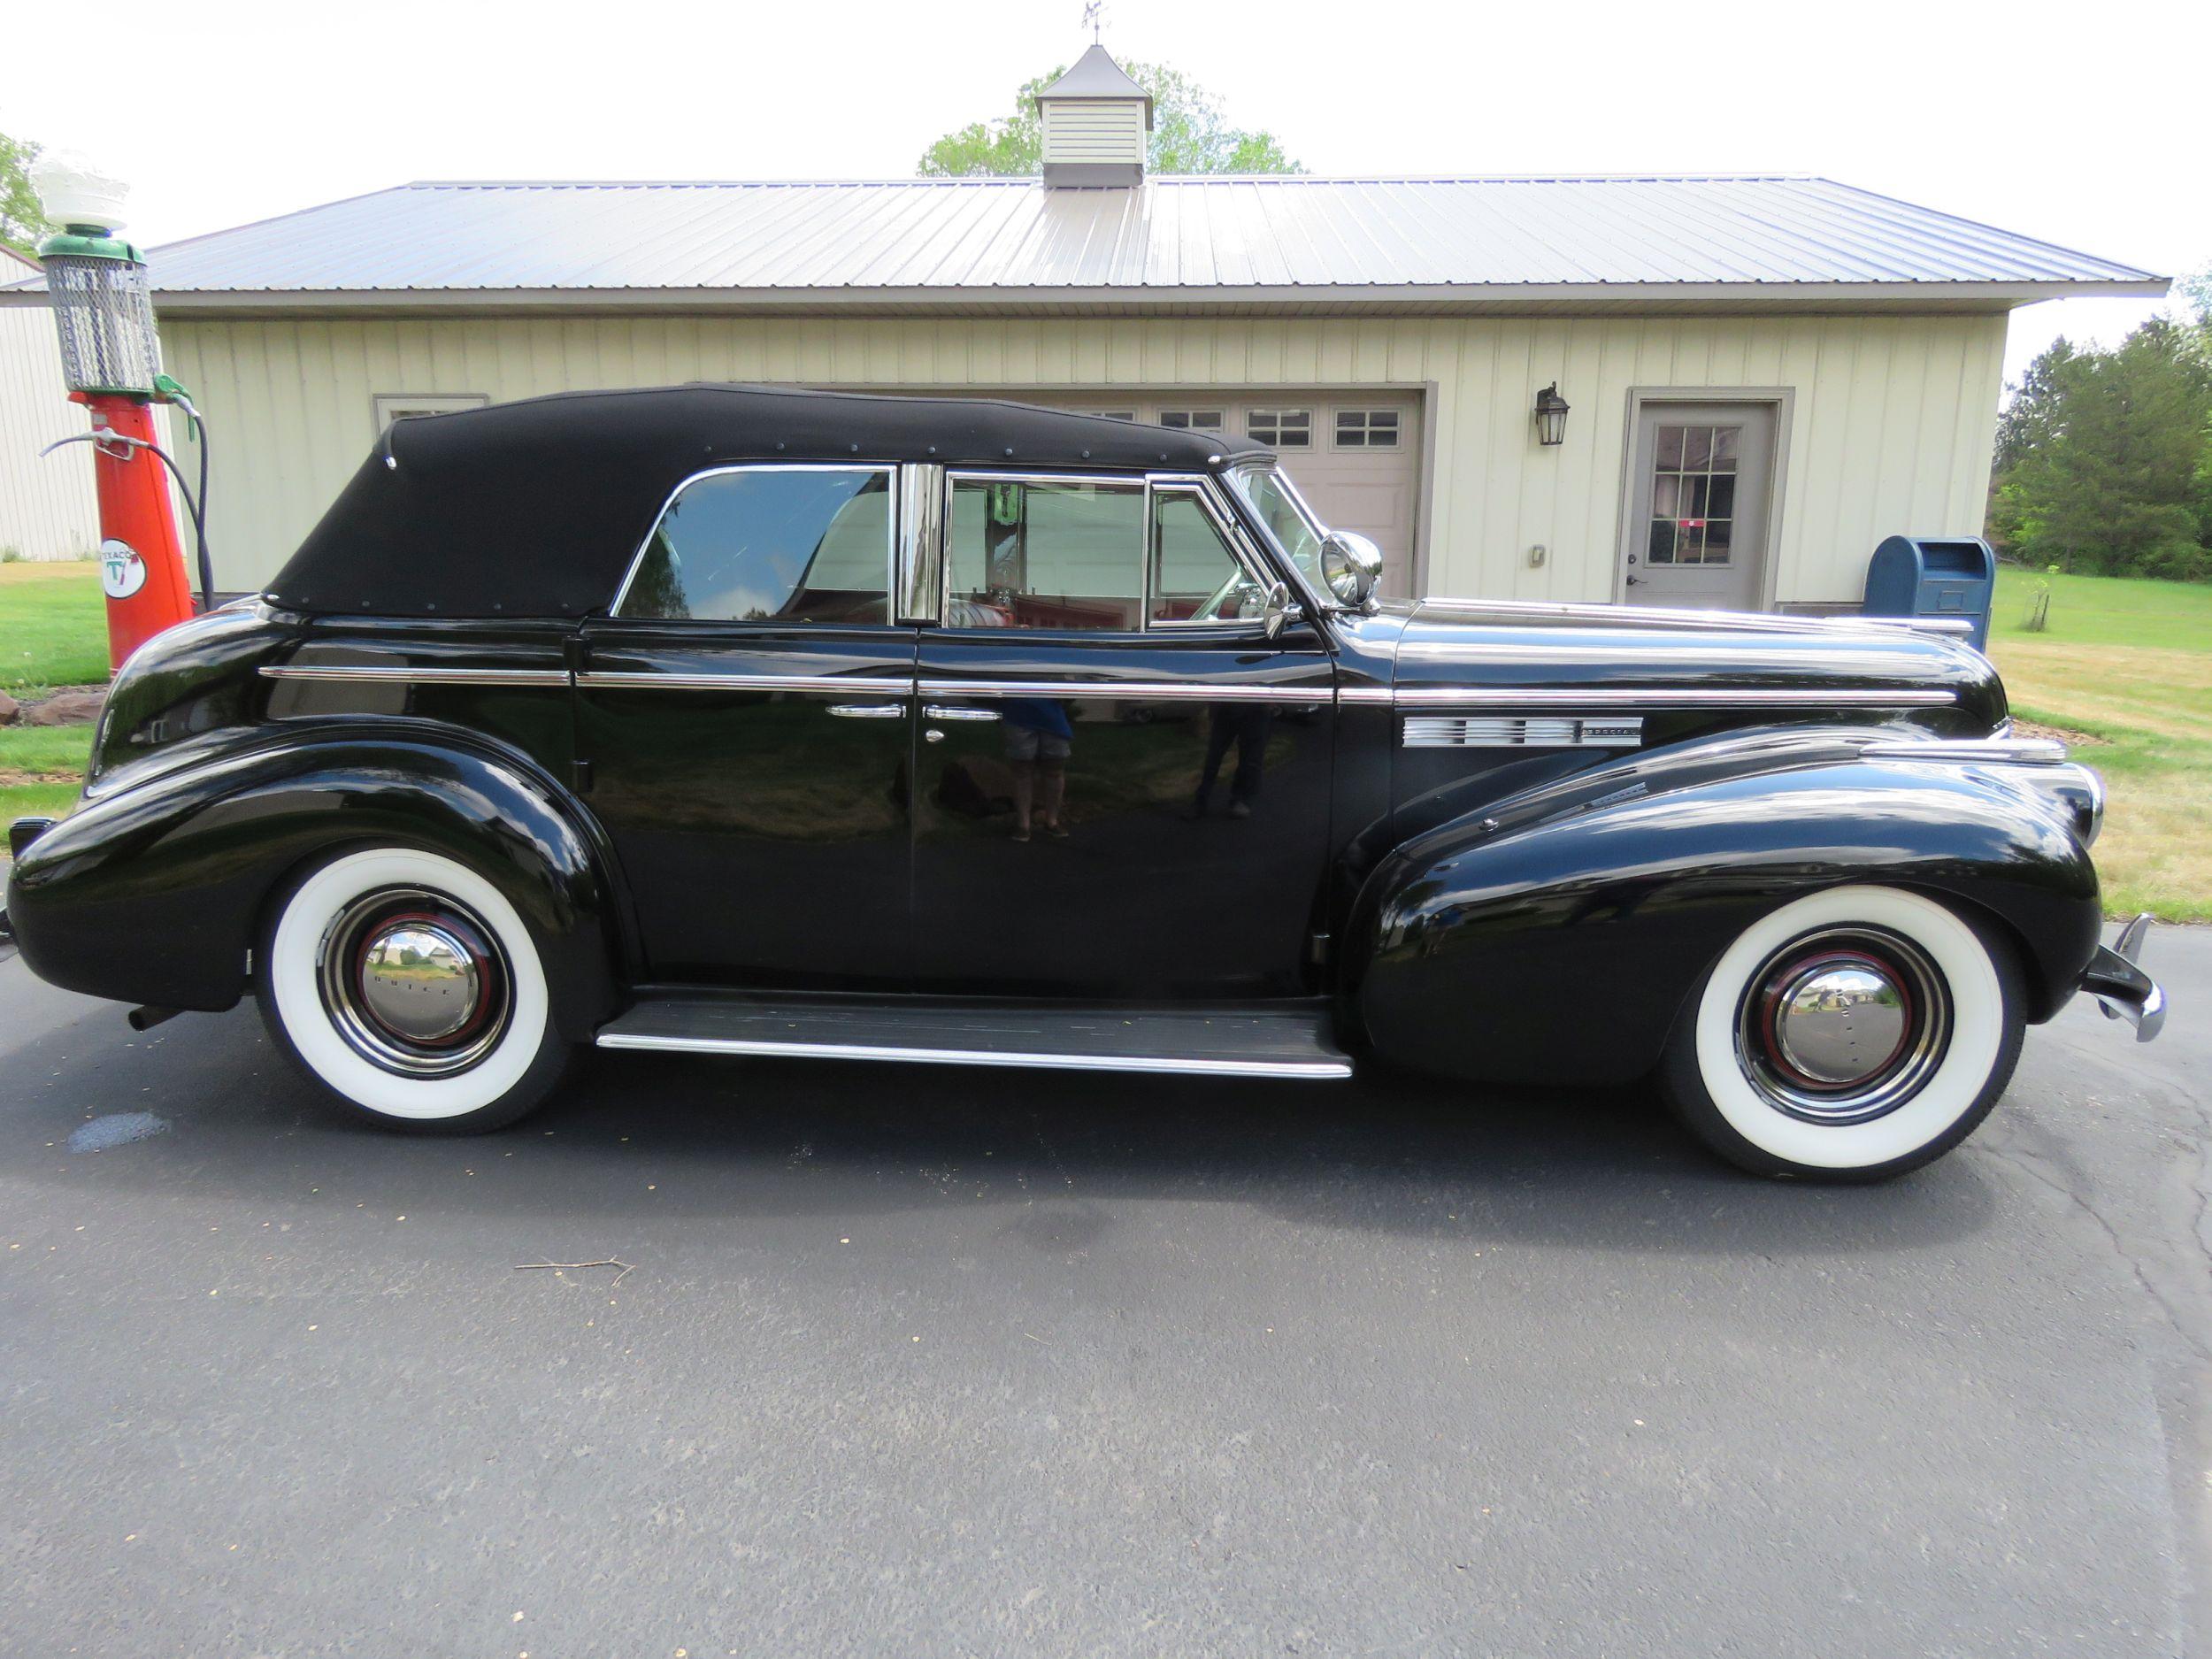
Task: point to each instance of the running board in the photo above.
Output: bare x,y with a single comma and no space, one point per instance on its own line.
1276,1042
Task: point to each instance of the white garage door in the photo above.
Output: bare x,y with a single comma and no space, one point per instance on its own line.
1356,456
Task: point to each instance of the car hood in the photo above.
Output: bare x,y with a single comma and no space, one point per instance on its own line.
1446,644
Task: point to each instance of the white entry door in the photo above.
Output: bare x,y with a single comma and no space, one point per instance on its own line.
1696,535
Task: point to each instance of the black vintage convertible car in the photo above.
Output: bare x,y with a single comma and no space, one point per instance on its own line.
746,720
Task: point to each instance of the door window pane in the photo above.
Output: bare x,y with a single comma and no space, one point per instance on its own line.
1191,420
1195,578
1022,555
769,545
1694,493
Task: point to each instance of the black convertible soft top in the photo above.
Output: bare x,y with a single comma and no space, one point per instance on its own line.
536,508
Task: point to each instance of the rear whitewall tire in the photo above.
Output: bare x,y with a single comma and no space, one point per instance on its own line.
1714,1090
512,1074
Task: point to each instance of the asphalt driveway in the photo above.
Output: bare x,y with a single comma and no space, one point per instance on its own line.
904,1362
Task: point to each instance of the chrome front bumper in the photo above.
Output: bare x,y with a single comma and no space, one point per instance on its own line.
2124,990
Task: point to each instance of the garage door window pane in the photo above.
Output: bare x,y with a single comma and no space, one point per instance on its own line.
1280,428
771,546
1366,428
1022,555
1195,578
1191,420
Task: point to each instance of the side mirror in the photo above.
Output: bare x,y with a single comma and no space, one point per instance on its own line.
1278,612
1352,566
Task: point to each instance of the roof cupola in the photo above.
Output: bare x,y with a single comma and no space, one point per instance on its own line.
1096,123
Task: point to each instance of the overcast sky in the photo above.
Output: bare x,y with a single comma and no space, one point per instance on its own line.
2080,124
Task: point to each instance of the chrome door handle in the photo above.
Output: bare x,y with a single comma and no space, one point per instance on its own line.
868,710
944,711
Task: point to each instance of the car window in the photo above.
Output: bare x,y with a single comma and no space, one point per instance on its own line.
767,544
1022,554
1196,577
1286,520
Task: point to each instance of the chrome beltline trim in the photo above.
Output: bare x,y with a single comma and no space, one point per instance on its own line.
1130,690
971,1056
1175,691
427,675
629,679
1666,697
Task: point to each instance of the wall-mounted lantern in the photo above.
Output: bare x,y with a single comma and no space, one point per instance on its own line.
1551,416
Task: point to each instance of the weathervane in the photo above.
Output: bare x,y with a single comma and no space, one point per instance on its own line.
1091,10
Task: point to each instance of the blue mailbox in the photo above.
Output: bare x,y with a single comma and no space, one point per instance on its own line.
1930,576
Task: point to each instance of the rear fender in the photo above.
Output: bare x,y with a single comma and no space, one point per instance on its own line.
1561,949
156,893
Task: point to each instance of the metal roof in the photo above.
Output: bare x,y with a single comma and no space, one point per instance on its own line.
1188,243
1096,75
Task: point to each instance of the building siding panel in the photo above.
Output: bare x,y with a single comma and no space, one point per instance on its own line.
1892,418
47,509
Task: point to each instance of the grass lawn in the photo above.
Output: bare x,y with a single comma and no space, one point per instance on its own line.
53,626
53,631
2128,665
41,768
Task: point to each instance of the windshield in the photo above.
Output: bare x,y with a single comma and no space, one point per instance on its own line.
1286,519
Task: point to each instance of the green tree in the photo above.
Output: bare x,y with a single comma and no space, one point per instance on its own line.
21,223
1189,133
2104,469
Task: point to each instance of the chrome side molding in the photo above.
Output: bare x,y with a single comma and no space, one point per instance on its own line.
1173,1064
2014,751
1602,696
416,673
1133,690
1717,621
630,679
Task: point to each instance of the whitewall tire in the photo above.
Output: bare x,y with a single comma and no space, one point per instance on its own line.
407,986
1856,1033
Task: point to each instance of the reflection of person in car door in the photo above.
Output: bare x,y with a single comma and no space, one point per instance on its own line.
1038,739
1246,727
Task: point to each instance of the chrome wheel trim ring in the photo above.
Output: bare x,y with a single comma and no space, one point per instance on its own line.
1843,1025
414,982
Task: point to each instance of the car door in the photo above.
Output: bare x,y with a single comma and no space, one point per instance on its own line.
1100,647
745,712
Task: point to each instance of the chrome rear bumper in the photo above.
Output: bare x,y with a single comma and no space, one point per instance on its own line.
2124,990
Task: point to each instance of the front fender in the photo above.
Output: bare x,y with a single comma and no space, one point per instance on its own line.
1562,949
155,893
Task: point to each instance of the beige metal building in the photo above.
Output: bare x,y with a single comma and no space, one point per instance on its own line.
1764,375
47,509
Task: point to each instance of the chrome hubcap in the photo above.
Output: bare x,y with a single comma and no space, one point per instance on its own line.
419,979
1843,1025
1840,1022
414,983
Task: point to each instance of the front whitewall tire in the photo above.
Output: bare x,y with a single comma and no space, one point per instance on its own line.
512,1075
1713,1089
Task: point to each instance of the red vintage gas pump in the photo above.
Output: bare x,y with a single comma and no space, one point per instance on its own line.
110,358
